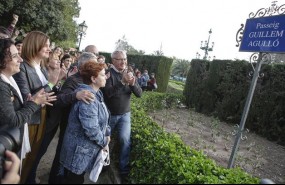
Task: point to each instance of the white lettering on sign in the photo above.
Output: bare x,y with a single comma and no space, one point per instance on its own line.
261,34
274,25
266,34
264,43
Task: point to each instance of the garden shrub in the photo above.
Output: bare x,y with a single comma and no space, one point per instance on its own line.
159,157
220,88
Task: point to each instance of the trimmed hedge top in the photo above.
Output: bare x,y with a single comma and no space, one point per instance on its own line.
159,65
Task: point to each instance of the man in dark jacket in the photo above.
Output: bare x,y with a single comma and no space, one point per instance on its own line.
117,94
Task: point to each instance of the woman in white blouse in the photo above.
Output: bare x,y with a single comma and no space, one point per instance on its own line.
14,112
31,78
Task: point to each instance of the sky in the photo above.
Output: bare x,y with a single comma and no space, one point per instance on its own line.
178,26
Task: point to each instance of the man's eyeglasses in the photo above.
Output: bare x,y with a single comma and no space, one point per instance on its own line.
120,59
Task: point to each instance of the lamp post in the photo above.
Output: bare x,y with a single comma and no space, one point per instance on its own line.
198,55
206,47
81,31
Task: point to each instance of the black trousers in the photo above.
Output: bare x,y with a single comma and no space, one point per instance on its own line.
72,178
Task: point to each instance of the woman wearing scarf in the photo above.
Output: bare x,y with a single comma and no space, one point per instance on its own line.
14,111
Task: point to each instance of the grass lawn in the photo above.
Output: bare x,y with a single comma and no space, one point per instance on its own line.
175,87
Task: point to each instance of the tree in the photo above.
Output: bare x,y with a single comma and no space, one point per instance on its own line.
122,44
180,68
159,52
53,17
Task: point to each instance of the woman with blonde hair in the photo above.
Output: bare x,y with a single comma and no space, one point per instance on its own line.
31,78
52,65
52,115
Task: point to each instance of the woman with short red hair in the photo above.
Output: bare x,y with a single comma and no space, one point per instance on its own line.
88,128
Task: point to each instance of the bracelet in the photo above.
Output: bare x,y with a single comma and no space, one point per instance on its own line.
50,85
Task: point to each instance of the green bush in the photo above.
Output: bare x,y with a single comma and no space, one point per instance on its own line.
162,158
195,84
220,88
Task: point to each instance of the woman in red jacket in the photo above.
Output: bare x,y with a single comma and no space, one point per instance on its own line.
152,85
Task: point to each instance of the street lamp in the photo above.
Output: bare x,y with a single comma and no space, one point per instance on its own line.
206,47
81,31
198,55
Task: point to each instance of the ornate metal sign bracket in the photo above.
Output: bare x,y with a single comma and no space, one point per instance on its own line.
266,59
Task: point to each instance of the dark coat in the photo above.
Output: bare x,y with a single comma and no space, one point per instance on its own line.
12,112
67,96
30,83
118,96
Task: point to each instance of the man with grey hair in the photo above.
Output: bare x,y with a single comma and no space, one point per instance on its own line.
66,97
117,94
92,49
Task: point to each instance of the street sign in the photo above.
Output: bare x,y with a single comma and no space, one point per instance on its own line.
266,34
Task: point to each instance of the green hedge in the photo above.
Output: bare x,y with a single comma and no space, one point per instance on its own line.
220,88
159,65
162,158
195,84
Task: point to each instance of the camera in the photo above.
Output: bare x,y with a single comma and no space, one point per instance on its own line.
10,139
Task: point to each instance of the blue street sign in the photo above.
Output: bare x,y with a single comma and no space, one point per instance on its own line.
266,34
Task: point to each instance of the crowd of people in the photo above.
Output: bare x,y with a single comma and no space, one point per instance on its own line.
44,89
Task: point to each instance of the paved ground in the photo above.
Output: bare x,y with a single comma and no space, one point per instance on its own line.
46,162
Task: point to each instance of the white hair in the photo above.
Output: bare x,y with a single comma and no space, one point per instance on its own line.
119,52
85,57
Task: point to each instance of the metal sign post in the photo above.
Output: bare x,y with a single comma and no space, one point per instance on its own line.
264,35
246,110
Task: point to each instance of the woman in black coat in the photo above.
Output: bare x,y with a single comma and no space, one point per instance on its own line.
14,111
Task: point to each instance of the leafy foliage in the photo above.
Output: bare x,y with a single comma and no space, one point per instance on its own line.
195,82
158,53
180,67
221,88
53,17
122,44
162,158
